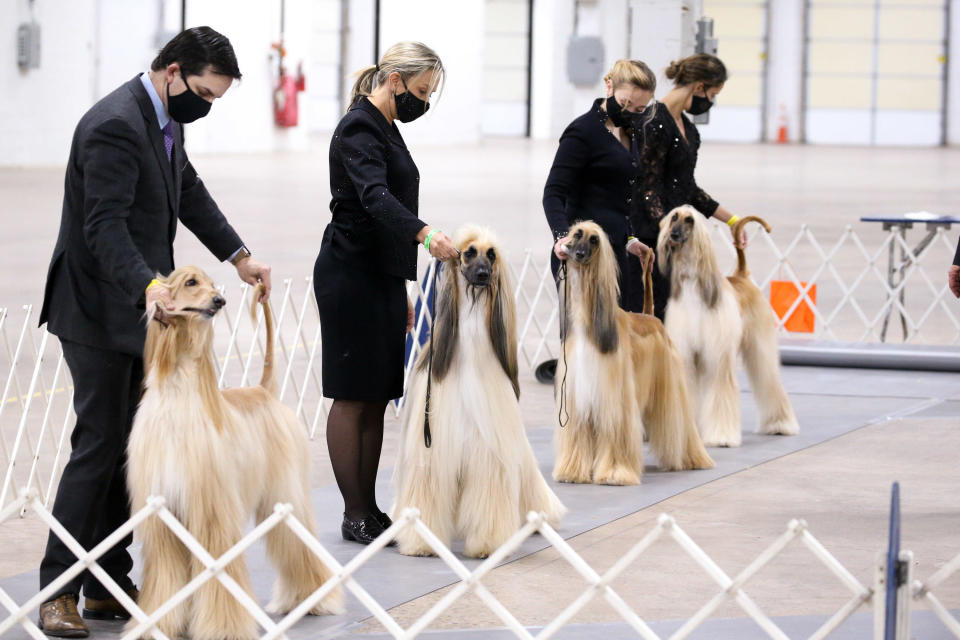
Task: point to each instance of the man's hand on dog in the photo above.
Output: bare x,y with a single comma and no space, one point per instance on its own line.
560,248
253,271
953,279
158,299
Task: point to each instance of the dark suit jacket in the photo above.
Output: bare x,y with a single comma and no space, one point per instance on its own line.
956,256
376,189
121,202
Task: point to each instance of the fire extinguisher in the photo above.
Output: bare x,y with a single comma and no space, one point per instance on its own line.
285,108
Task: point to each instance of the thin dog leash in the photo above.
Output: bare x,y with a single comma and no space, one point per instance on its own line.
562,275
427,438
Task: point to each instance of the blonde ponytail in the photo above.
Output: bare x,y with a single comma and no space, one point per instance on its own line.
409,59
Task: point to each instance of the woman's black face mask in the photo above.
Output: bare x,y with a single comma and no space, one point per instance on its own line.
617,114
700,104
409,106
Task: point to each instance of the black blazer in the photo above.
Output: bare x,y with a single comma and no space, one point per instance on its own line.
121,202
376,189
590,179
667,164
956,256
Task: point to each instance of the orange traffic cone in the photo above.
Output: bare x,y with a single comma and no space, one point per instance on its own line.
782,137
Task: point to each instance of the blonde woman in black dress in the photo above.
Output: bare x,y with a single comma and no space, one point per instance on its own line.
368,252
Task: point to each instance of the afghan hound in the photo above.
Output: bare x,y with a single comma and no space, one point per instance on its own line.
711,319
217,457
478,478
619,377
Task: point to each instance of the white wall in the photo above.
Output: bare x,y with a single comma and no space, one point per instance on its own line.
40,107
90,47
785,69
455,31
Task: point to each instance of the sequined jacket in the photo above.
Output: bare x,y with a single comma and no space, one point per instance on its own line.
667,164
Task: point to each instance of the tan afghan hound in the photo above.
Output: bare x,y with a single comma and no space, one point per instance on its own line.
711,319
478,478
218,457
619,376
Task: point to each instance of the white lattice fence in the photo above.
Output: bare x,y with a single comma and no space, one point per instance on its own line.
852,301
597,585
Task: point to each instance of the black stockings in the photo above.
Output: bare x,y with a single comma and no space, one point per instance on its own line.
354,439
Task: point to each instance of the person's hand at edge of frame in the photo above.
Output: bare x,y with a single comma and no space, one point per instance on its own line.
953,279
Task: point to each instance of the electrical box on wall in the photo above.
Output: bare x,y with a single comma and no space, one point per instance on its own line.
585,60
706,43
28,46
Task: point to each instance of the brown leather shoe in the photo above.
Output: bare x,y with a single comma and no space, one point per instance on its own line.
109,609
60,618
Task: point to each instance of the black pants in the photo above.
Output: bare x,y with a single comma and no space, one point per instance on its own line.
92,499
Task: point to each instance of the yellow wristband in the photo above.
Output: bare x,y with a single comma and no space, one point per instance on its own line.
152,283
733,220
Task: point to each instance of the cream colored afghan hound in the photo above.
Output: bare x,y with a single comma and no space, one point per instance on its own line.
478,478
619,377
711,319
218,457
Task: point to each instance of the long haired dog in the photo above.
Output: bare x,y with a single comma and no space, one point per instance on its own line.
711,319
218,457
619,377
479,478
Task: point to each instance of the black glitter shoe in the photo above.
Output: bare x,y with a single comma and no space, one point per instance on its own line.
364,531
384,520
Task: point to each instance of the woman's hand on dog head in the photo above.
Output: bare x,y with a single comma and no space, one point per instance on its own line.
442,247
560,247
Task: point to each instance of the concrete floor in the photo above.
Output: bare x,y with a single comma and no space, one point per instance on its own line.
278,202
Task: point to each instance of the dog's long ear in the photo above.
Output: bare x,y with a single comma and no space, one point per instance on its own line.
604,294
502,320
709,286
605,325
446,326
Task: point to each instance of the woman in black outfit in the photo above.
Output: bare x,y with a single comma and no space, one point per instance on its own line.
368,251
669,143
594,168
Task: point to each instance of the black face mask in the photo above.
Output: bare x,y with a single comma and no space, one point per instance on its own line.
699,105
617,114
409,106
187,106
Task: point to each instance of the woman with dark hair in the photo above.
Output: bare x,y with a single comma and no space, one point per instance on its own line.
669,143
368,251
595,167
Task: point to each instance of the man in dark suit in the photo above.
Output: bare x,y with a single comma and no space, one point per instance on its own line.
128,181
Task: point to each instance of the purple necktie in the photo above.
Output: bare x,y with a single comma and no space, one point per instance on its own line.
168,138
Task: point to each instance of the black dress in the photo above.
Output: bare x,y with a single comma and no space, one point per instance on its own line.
591,179
368,251
666,181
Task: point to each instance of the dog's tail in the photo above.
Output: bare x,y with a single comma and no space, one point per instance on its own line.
267,380
648,284
742,269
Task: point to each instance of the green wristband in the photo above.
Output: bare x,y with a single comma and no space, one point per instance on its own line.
426,242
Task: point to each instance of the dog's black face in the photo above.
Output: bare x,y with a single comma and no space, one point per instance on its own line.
193,293
584,243
477,263
680,224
